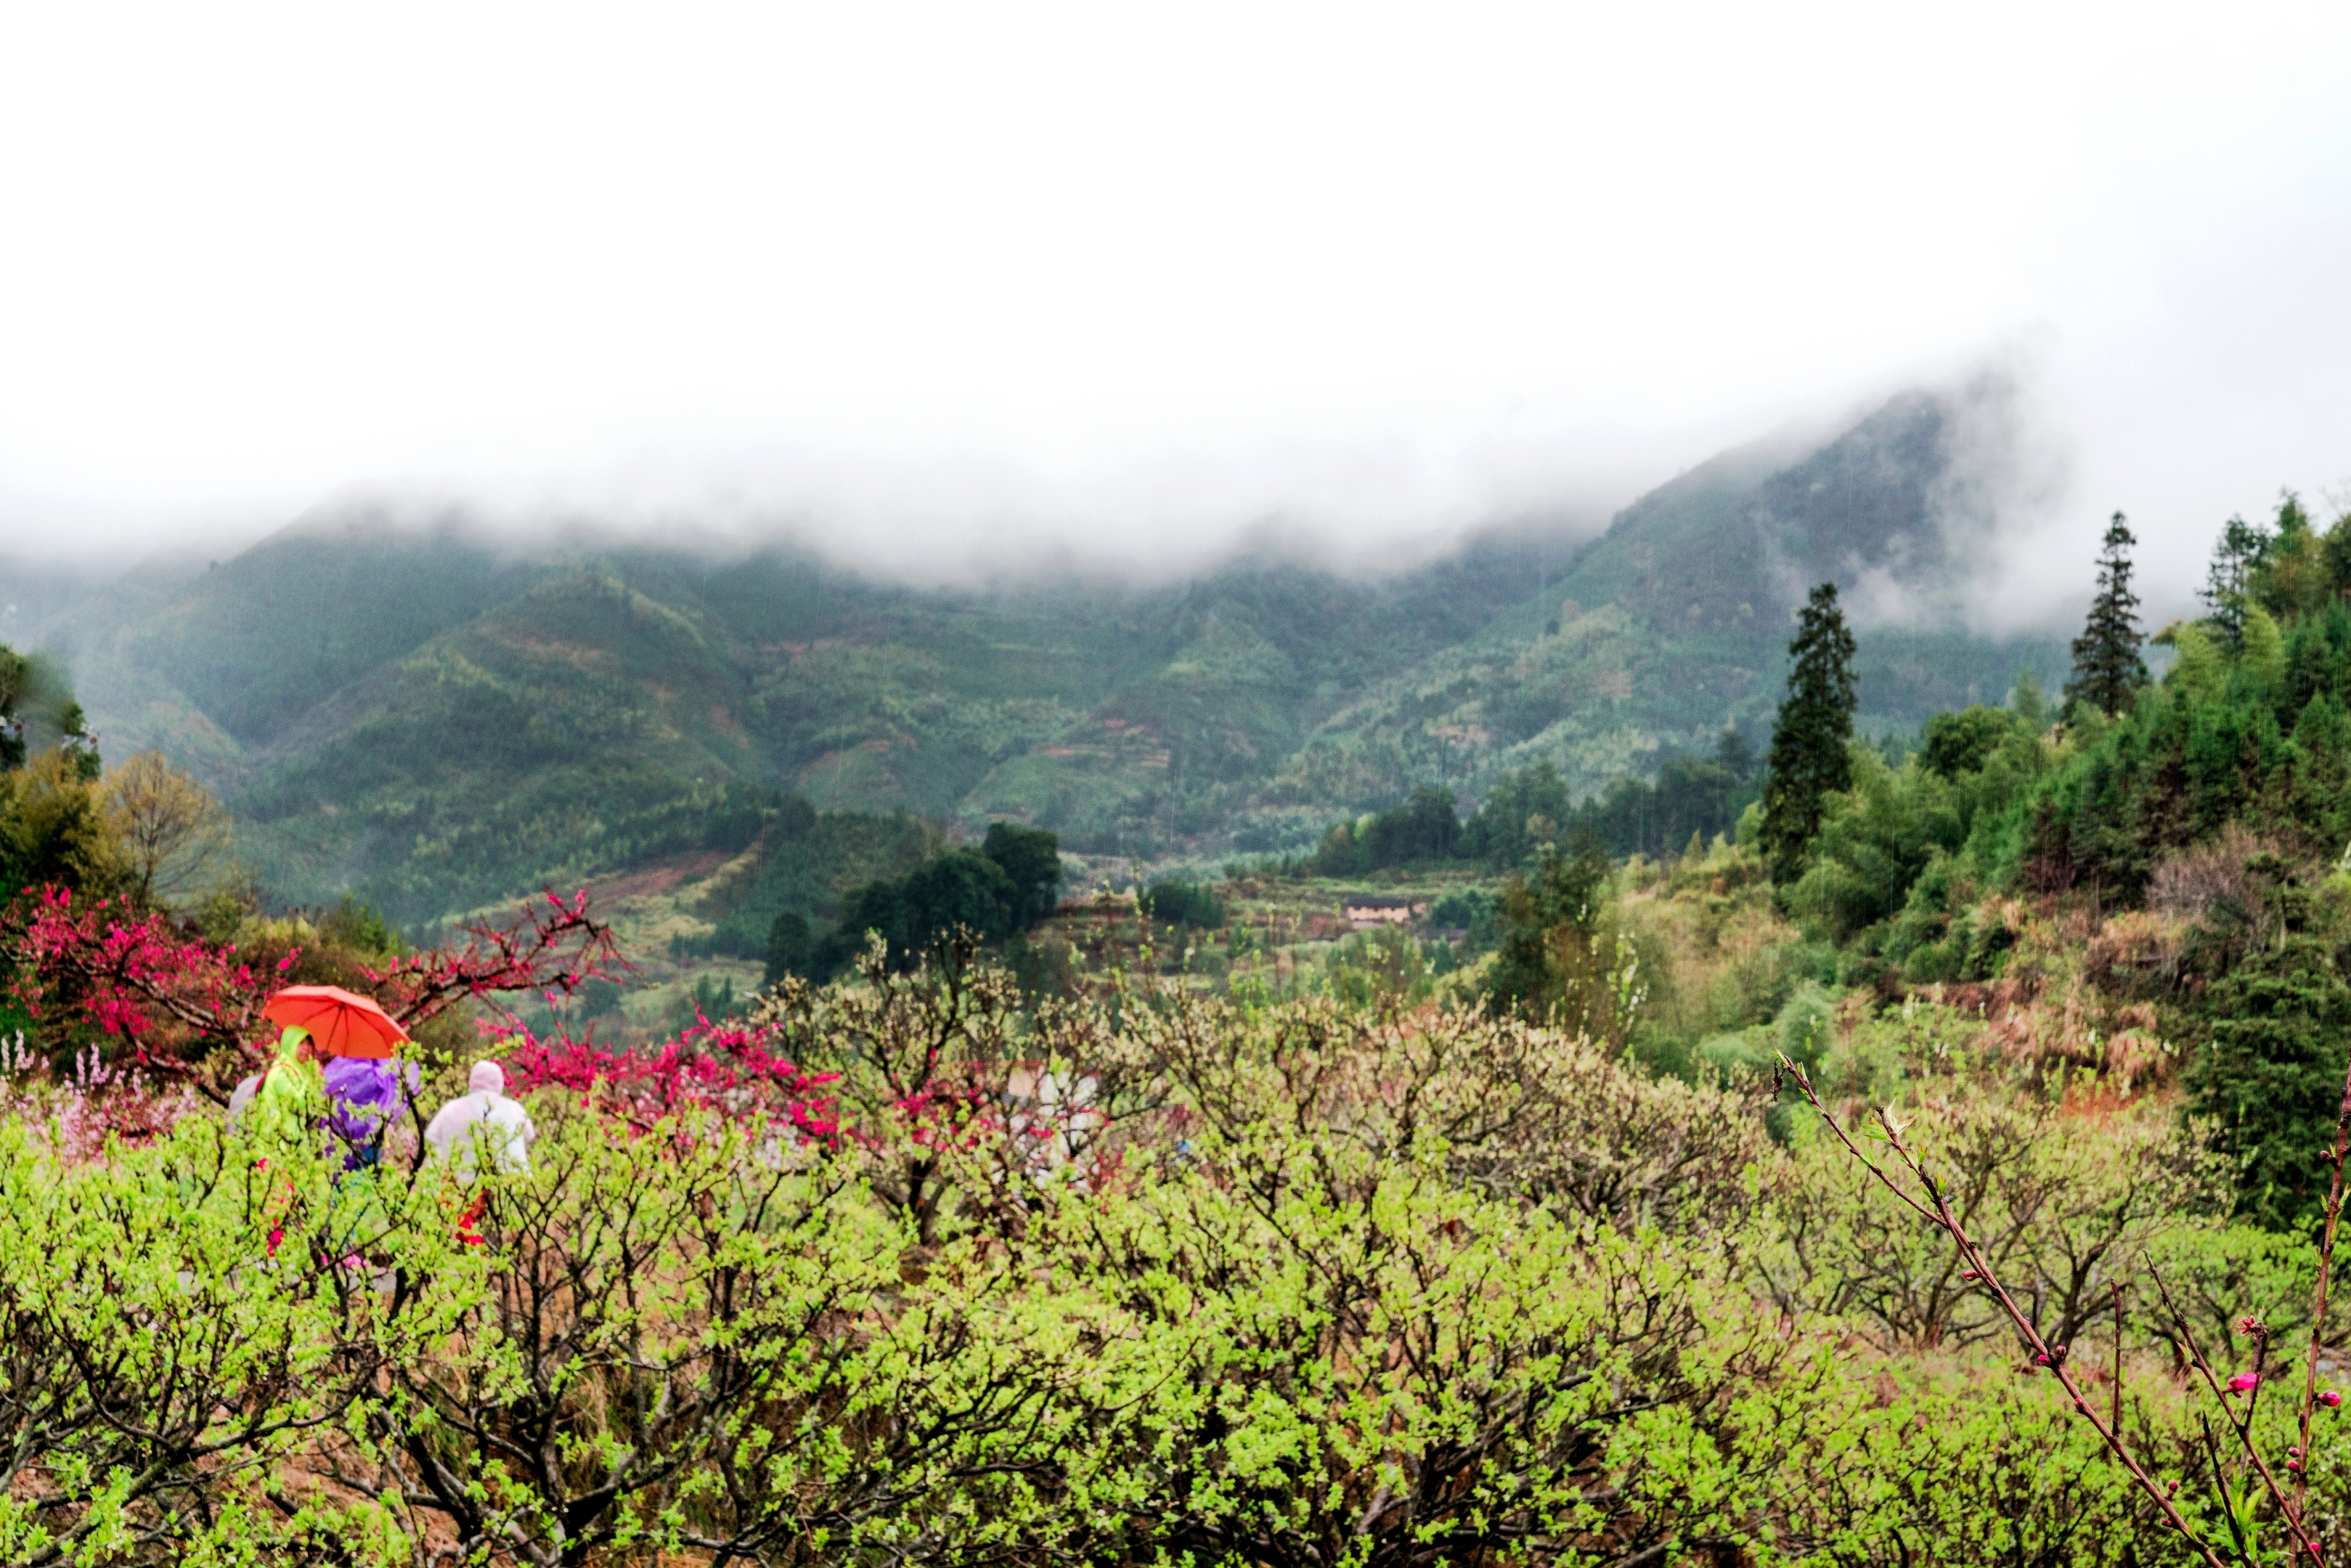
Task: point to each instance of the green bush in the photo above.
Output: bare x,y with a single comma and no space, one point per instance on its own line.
1189,903
1164,1279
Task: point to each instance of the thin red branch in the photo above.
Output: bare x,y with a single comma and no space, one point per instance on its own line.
2242,1427
1941,1216
551,946
2335,1157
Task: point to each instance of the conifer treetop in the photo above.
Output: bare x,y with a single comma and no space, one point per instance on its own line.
1808,761
2108,669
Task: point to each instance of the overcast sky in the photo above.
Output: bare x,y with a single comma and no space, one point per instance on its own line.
927,278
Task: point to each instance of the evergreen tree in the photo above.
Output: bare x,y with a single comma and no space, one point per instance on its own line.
1009,883
1736,753
2242,549
792,948
1808,761
13,672
2293,578
2334,553
53,822
2024,699
2107,668
1549,968
2269,1074
1031,857
1954,745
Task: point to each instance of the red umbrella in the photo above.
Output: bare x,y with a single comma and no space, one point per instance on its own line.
342,1022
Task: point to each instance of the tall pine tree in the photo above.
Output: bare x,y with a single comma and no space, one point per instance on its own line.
2107,669
1807,762
2237,559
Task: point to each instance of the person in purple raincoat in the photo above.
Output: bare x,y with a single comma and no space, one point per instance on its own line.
364,1097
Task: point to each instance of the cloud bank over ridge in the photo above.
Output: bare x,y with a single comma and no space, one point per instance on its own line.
935,289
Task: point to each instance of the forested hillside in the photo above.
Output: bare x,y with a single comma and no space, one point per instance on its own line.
435,722
1567,1140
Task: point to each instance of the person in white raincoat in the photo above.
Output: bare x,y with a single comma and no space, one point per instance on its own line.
482,1121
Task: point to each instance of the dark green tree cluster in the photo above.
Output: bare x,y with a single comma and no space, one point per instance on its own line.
2221,793
1810,757
1952,745
1425,828
1522,810
2228,583
807,862
1529,808
1886,842
1473,912
2285,569
52,827
2270,1077
791,948
2250,728
1193,905
39,714
1008,883
1691,797
14,669
1552,965
2108,669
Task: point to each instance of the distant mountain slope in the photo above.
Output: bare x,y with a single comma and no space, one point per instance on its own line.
283,627
1674,622
439,722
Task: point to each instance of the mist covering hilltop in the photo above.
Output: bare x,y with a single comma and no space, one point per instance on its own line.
435,717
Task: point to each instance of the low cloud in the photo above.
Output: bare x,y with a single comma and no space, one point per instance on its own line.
2004,551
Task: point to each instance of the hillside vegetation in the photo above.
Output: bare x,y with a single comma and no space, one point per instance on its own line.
432,723
1199,1227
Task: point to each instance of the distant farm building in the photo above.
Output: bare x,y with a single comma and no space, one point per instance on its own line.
1364,912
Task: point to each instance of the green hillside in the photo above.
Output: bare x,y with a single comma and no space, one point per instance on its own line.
1674,622
435,722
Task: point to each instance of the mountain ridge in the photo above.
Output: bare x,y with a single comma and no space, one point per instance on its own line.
432,720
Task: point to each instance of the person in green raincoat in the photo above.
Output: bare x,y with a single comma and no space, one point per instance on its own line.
296,1104
292,1093
280,1111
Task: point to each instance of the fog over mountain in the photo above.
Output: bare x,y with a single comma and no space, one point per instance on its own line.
939,293
483,447
435,709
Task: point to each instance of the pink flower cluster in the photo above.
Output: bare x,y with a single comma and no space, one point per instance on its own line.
726,1067
131,976
172,998
947,1116
78,1114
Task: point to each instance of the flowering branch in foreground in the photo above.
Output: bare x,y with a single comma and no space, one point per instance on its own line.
2311,1396
189,1011
552,945
1937,1211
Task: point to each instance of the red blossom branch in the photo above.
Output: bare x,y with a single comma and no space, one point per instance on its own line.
169,997
724,1067
2334,1156
181,1005
552,945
